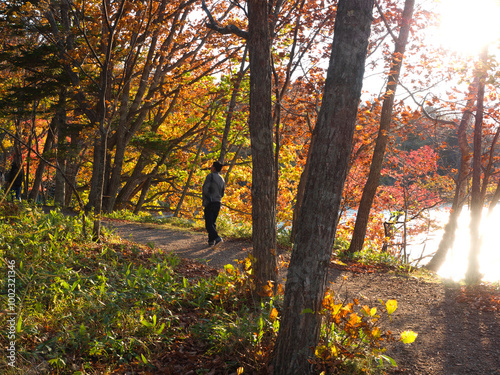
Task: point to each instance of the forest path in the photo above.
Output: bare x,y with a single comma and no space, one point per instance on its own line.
458,333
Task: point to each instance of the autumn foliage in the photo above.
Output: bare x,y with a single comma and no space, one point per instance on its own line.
176,97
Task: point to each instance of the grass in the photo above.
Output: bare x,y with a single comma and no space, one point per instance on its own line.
118,307
89,308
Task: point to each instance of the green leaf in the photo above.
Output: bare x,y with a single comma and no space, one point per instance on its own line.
82,329
388,359
145,323
160,330
19,324
65,285
75,284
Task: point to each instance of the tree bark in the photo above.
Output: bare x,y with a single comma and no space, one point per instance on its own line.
305,287
231,108
100,149
194,167
261,138
359,233
472,275
299,197
460,185
62,148
49,143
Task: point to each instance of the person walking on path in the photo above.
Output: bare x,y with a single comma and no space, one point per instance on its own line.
213,191
14,180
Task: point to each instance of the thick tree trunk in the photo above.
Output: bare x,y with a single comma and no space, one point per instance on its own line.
359,233
305,287
301,191
261,138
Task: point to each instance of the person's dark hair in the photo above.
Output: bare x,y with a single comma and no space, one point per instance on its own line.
217,166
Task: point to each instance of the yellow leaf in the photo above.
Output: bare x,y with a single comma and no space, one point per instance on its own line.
336,309
407,337
391,306
239,371
334,351
321,352
369,312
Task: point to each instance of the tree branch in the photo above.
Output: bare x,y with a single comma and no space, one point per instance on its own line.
229,29
394,37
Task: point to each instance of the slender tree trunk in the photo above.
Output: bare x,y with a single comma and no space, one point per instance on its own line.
191,172
144,187
261,138
231,108
62,147
359,233
233,163
142,198
101,144
40,169
98,175
460,185
305,287
472,275
73,162
494,199
49,143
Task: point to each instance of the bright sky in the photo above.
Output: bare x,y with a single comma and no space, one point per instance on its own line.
467,26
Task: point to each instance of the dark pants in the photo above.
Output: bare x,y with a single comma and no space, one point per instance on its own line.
211,212
17,192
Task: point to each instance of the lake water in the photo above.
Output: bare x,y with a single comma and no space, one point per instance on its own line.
455,266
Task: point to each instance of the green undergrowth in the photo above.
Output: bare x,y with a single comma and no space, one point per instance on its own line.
81,307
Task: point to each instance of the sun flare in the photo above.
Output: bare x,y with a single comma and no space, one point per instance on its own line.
467,26
455,266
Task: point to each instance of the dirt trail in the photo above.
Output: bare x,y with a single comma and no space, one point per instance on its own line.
455,335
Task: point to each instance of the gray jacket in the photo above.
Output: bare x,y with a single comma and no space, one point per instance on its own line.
213,188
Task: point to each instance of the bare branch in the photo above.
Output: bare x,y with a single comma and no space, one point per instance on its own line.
385,21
